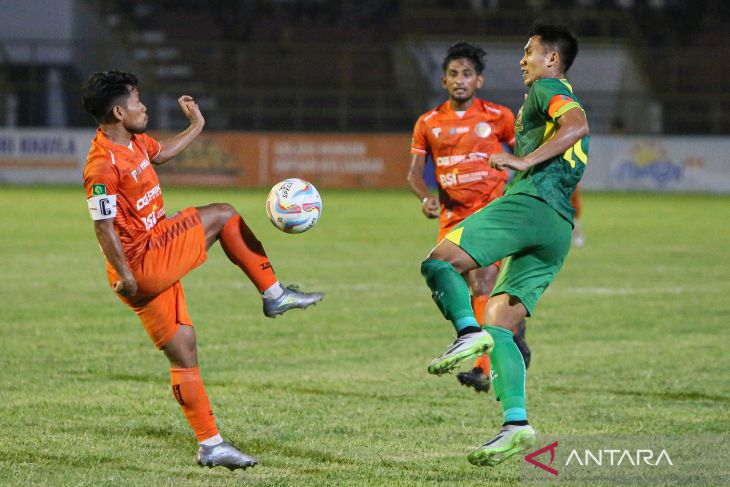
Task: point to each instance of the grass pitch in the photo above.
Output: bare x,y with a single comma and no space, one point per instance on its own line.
632,338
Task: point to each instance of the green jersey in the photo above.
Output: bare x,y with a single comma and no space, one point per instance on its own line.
554,180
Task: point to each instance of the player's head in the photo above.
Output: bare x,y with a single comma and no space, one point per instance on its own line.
549,53
112,97
463,66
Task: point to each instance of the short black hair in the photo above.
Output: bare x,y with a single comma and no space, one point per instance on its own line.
105,89
464,50
559,38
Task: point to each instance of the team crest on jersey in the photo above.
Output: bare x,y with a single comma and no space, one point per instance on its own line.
98,189
436,131
483,129
518,121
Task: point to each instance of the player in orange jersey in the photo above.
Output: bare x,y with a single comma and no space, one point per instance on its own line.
460,135
148,252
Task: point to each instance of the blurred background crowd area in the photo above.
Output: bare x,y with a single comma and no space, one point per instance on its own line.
645,66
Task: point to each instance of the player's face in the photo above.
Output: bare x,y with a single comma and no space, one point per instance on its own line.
461,80
536,61
134,114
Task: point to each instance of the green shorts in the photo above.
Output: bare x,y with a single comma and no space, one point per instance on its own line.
531,237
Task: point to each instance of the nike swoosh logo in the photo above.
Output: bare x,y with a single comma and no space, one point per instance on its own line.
495,439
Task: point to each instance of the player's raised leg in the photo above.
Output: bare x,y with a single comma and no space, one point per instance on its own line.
503,314
222,222
443,271
188,389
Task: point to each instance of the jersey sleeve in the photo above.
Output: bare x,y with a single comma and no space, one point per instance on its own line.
151,145
419,143
507,132
101,180
553,98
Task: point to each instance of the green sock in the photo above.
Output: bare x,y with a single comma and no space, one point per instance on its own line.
508,374
450,292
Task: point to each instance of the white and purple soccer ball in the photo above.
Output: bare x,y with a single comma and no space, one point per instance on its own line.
294,205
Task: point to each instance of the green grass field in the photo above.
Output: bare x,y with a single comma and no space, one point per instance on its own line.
631,338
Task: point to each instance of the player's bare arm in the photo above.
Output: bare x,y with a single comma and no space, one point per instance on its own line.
429,202
112,248
573,126
176,144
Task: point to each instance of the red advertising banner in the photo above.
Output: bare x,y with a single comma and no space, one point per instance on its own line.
262,159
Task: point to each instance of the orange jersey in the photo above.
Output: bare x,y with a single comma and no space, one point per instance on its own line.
460,147
121,184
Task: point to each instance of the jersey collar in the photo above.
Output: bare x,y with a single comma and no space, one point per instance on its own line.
475,107
108,144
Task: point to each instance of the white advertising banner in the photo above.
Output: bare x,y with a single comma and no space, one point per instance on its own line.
47,156
678,164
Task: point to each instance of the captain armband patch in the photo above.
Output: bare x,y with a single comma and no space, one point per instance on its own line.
103,206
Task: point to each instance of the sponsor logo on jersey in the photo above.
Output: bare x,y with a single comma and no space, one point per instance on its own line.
483,129
150,195
472,176
447,161
98,189
142,166
453,178
459,130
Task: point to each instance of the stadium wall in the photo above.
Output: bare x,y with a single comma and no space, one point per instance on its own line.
617,163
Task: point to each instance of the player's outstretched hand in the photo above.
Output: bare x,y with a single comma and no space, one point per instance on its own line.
430,207
126,287
191,110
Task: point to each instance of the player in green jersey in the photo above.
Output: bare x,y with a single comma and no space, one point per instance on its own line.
529,227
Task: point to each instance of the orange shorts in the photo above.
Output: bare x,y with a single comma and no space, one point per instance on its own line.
176,246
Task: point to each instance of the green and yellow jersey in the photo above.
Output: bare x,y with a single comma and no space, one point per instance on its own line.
554,180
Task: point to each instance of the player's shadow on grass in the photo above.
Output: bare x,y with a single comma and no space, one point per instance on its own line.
668,395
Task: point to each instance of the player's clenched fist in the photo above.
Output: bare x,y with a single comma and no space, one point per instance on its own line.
191,110
126,287
430,206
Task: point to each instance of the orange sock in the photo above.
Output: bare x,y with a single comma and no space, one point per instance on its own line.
243,249
479,304
484,363
188,389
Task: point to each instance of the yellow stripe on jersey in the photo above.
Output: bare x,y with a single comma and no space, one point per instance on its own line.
550,129
576,149
579,152
455,236
565,108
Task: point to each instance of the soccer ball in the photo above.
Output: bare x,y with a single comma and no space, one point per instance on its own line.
294,205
